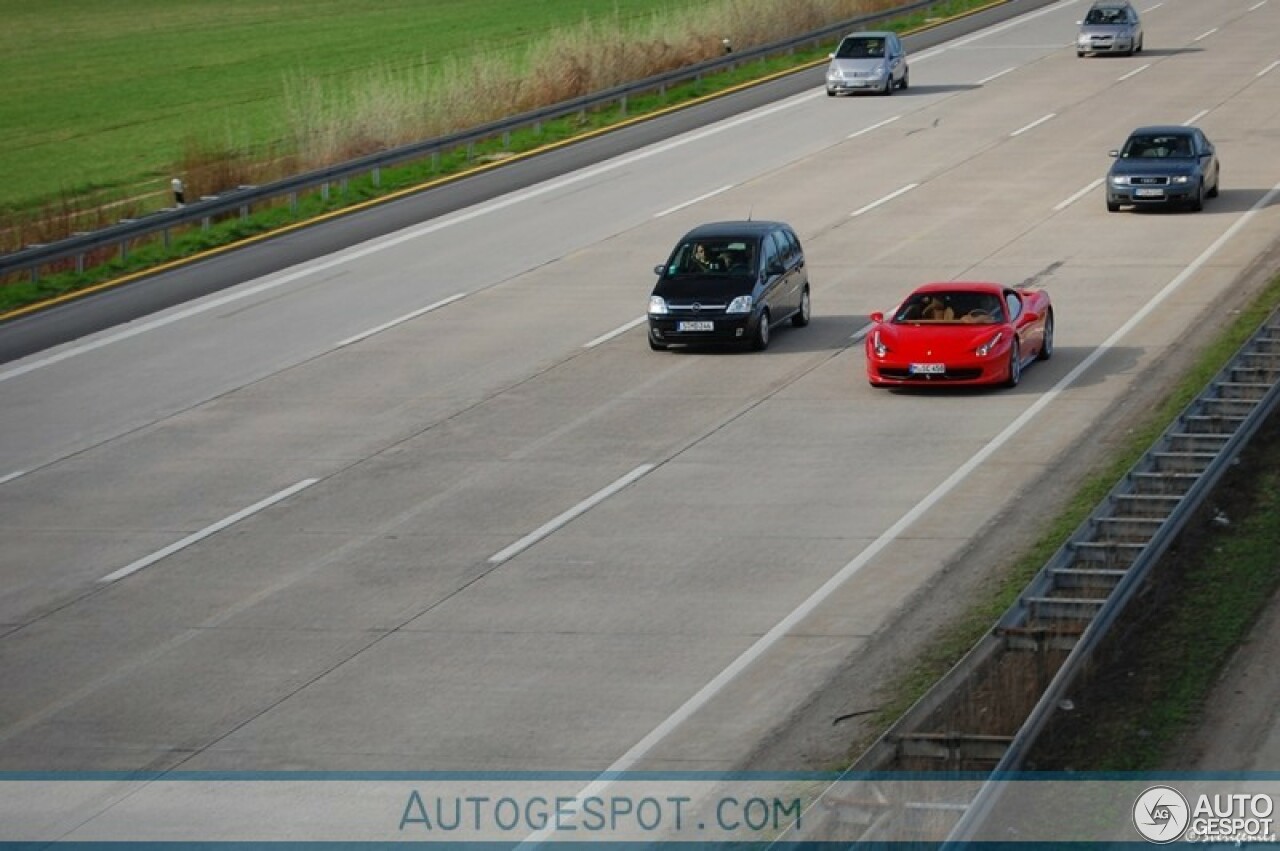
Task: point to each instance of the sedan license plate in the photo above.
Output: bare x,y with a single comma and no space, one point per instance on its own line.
928,368
1149,193
701,325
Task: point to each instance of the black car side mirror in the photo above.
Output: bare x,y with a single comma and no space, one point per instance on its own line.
774,268
1113,153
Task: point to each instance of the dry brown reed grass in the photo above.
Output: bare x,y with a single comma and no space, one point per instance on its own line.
334,120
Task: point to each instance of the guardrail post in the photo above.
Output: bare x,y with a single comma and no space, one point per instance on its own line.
324,190
506,140
622,106
80,264
377,176
537,128
293,202
471,150
244,214
166,238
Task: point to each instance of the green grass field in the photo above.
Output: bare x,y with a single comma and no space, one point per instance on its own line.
109,94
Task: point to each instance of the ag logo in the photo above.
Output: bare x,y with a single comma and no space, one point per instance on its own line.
1160,814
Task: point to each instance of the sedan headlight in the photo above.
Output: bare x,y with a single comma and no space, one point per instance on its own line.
741,304
879,69
1119,180
878,346
657,305
987,347
1181,178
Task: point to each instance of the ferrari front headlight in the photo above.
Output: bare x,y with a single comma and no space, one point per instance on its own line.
878,346
989,346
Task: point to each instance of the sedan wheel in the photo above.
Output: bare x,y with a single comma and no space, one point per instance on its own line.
760,341
801,317
1197,203
906,80
1217,178
1046,347
1015,366
888,84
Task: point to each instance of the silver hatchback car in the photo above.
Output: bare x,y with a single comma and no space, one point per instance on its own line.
1110,26
868,62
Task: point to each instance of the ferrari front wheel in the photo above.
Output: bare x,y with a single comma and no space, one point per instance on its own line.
1046,345
1015,366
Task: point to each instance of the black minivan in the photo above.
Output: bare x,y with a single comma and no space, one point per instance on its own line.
729,282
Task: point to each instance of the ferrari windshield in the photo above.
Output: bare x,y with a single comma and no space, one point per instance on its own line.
952,307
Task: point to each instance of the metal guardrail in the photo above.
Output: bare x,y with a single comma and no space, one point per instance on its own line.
1074,601
240,201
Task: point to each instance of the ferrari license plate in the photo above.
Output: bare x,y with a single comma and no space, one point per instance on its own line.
701,325
1149,193
928,368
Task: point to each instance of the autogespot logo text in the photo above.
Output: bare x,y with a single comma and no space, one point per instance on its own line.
1160,814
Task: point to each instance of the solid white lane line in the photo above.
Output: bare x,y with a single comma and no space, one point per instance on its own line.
1135,72
1205,35
1193,119
604,338
861,332
886,199
206,532
1256,6
1034,124
12,476
1273,66
875,126
1153,8
996,76
378,244
581,508
766,642
692,201
1021,19
1062,205
394,322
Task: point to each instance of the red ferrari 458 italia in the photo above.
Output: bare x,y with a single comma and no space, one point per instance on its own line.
960,333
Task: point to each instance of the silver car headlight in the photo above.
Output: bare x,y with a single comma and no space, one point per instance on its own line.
1181,178
1119,180
657,305
834,74
741,304
986,348
879,69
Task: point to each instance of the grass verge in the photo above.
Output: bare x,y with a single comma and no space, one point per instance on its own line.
111,267
1156,675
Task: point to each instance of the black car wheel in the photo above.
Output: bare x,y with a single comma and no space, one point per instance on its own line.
760,341
1217,178
1046,348
1015,366
1197,202
906,80
801,317
1113,206
889,85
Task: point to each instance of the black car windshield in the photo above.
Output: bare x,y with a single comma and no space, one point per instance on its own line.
730,258
967,308
1157,146
861,48
1105,16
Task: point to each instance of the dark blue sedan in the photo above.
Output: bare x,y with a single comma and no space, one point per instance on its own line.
1163,165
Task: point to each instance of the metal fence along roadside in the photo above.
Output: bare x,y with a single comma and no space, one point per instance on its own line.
985,715
124,236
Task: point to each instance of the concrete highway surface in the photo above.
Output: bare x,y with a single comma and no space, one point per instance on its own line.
430,502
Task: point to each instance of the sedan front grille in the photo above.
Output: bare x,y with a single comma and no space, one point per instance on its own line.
1149,181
